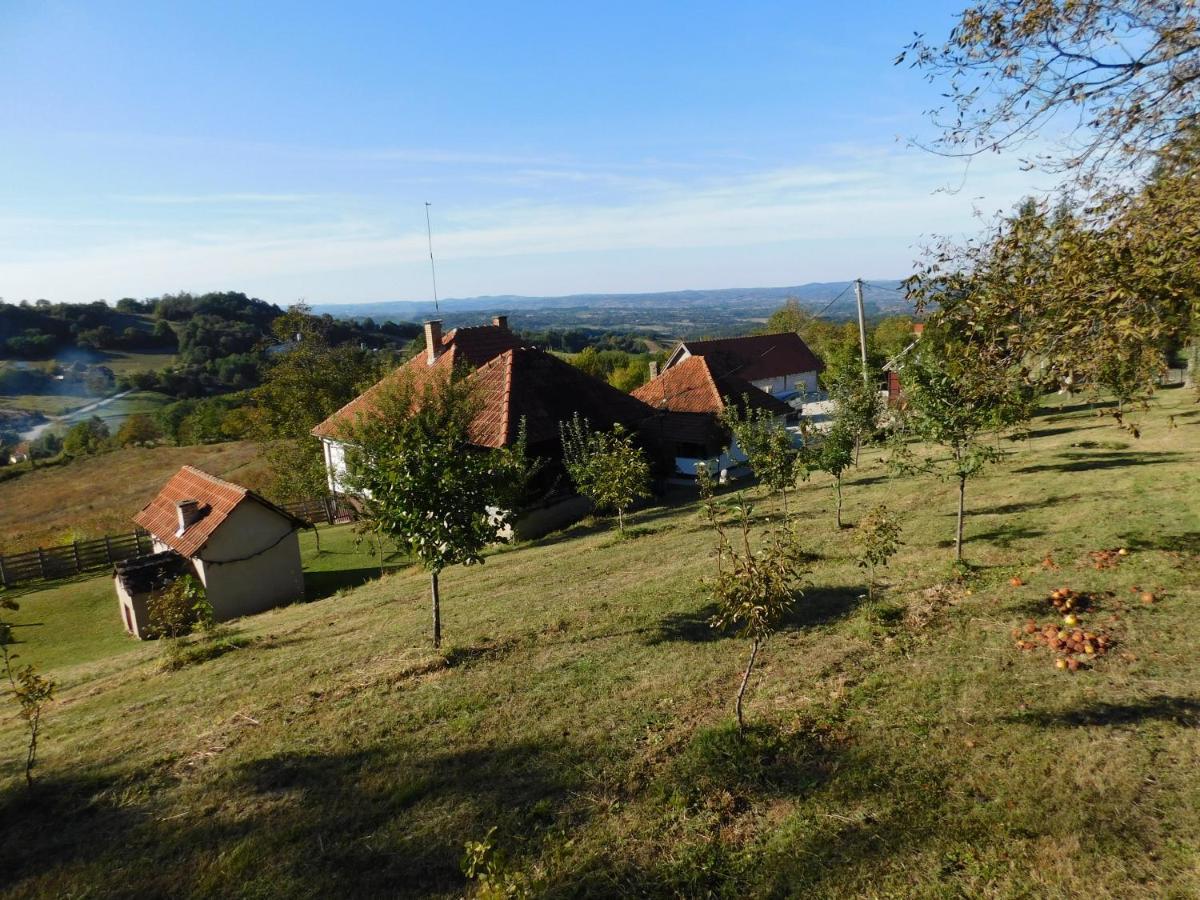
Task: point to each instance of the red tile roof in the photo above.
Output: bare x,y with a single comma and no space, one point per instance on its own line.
697,385
512,382
535,386
758,356
217,498
470,347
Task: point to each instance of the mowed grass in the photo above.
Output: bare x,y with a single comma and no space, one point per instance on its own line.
98,495
65,626
582,707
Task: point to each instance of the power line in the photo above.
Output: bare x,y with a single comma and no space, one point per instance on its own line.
834,300
882,287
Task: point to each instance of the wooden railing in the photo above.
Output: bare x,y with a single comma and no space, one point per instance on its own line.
46,563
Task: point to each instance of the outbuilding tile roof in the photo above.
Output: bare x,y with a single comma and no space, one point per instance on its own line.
217,498
697,385
758,356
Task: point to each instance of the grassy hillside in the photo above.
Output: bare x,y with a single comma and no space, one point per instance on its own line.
902,748
97,495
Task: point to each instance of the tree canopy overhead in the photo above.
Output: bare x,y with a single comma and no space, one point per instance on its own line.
1124,74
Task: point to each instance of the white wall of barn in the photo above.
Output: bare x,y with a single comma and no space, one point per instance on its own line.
251,563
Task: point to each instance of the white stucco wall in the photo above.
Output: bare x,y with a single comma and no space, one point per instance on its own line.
335,465
729,459
251,563
798,381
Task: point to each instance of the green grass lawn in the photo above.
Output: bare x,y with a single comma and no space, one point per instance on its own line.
65,626
583,709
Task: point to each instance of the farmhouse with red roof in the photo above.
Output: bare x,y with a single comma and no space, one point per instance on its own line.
780,364
513,383
702,377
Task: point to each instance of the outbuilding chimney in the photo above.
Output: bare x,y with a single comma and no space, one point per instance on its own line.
500,322
433,341
653,368
188,512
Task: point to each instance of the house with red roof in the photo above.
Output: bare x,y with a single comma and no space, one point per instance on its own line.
780,364
688,399
514,384
244,549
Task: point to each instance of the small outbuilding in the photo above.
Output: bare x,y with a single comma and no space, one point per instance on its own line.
139,579
244,549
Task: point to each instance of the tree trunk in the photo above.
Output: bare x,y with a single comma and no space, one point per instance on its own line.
620,521
786,513
745,679
857,448
837,486
437,609
379,544
962,490
32,754
317,535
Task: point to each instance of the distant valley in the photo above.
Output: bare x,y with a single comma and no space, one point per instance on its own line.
689,313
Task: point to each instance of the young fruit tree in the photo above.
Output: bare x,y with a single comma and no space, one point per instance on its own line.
856,403
424,485
606,467
878,540
835,456
754,588
950,403
31,691
772,456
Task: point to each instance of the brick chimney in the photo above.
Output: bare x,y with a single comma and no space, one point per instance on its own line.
500,322
433,341
188,512
653,368
918,327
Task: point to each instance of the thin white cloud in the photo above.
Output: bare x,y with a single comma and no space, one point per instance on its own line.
211,199
869,199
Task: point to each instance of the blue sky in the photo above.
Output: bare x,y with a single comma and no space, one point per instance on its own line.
287,149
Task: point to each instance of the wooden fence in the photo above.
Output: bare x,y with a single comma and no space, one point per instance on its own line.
329,510
72,559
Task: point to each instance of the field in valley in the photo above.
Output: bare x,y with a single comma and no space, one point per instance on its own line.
583,706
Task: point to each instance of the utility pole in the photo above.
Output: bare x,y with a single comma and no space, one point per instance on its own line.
862,329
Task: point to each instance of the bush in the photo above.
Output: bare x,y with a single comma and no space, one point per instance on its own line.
179,609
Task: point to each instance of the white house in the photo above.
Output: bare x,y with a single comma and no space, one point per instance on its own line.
780,364
688,399
242,548
518,388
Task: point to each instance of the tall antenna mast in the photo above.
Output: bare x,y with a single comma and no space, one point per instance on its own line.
432,269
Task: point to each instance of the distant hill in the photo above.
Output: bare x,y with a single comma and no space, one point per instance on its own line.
683,311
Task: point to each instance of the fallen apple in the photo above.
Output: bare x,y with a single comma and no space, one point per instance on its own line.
1071,619
1147,597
